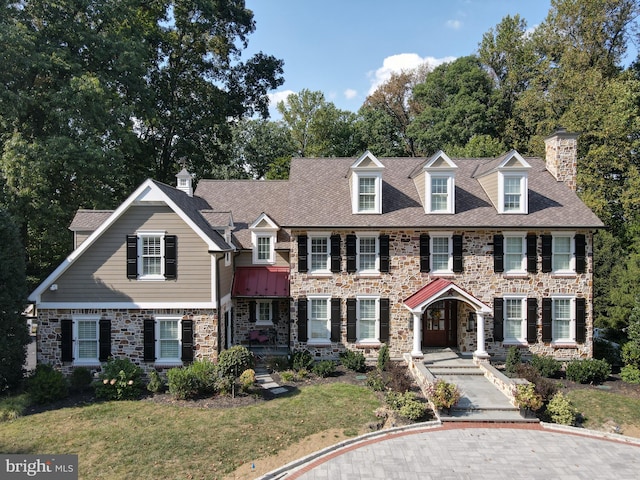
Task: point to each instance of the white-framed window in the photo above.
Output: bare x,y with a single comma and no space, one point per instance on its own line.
319,319
563,319
319,253
368,315
442,253
515,254
440,195
367,192
368,253
227,255
151,258
562,249
512,190
515,326
263,312
86,340
263,248
168,340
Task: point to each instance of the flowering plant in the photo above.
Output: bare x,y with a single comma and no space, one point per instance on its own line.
120,379
443,394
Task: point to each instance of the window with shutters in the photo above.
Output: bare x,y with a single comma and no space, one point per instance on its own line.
515,254
319,330
86,338
563,319
367,254
319,253
368,315
514,319
151,256
168,340
562,254
263,312
441,254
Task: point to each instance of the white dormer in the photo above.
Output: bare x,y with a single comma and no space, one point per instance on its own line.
366,184
505,180
185,182
439,184
263,240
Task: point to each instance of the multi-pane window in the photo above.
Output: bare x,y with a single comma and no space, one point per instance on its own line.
319,253
263,312
440,254
264,248
514,251
87,340
367,254
367,319
439,194
367,194
513,318
562,319
168,339
151,255
319,326
512,194
562,253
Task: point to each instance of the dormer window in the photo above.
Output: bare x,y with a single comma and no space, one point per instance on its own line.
514,198
505,181
366,186
263,240
438,184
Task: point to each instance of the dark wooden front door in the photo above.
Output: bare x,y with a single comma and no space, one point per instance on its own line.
440,325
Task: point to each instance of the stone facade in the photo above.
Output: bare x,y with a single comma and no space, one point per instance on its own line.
242,325
405,278
561,153
126,334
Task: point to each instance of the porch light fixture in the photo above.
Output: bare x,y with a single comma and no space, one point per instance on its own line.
471,322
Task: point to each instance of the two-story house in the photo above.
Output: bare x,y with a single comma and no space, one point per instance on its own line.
474,254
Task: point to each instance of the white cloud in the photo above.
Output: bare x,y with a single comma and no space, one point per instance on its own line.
454,24
277,97
400,62
350,93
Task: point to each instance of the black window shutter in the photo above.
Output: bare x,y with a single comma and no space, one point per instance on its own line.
547,331
384,320
336,259
581,258
104,340
498,319
302,253
384,253
351,253
335,320
547,242
66,340
532,253
252,311
187,341
532,320
457,254
581,320
149,340
275,311
425,253
132,256
302,320
351,320
498,253
170,257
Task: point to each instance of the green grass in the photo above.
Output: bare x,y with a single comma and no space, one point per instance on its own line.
599,407
12,407
144,440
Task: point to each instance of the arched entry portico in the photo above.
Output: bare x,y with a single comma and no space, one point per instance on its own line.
435,309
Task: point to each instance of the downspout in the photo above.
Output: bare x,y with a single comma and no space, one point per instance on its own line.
218,258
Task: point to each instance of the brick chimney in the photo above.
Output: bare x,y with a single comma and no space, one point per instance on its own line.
561,155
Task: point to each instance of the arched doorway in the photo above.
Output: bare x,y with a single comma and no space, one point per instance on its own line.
440,324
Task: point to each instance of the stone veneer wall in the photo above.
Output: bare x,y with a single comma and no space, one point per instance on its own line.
242,325
405,278
126,334
561,153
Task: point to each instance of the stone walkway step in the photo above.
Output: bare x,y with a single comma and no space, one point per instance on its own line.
265,381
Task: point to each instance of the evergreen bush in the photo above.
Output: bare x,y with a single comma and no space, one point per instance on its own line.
324,368
561,411
46,385
383,357
547,366
181,383
235,360
589,370
353,360
630,374
155,384
80,379
514,358
301,359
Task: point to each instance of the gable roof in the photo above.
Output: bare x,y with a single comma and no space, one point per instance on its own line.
89,220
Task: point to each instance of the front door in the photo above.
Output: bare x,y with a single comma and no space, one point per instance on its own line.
440,324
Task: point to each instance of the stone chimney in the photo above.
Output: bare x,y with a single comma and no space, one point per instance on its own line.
561,154
185,182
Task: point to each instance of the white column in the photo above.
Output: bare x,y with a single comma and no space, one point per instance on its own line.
417,335
480,351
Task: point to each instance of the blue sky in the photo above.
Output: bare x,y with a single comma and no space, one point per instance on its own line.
344,48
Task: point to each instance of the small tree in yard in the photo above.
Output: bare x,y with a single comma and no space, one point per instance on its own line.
630,373
14,336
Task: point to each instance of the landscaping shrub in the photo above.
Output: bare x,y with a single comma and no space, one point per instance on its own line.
630,374
155,384
443,394
288,375
375,381
46,385
324,368
546,366
543,386
182,384
13,407
121,379
277,363
588,371
604,350
631,354
353,360
301,359
406,404
235,360
80,379
397,378
561,411
514,358
247,379
525,396
383,357
205,376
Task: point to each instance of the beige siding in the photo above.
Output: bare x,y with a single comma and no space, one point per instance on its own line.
245,259
80,237
225,274
490,185
100,273
420,186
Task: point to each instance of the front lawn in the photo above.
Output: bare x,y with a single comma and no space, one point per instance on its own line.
147,440
607,411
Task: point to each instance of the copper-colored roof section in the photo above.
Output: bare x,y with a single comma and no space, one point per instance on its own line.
426,292
267,281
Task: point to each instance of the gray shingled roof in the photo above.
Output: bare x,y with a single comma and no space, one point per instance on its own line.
88,220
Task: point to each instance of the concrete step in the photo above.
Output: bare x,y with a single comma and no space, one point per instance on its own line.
443,371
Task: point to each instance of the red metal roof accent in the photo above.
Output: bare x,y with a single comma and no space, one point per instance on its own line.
267,281
427,292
